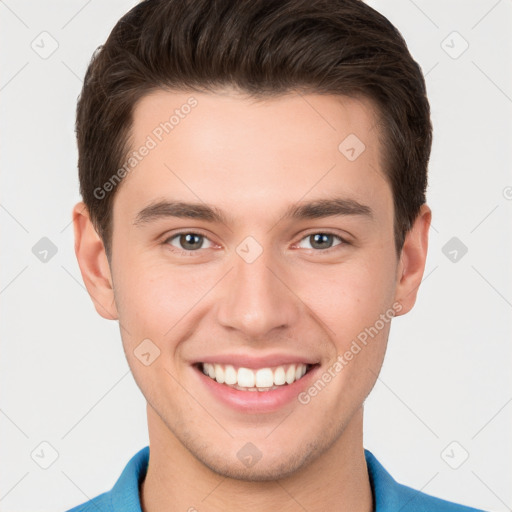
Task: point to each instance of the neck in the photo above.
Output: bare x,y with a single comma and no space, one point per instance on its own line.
337,480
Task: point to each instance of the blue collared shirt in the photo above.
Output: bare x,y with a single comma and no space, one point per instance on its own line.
388,495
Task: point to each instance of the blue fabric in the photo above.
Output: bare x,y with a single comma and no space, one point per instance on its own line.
389,496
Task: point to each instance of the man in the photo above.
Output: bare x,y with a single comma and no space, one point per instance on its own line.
253,176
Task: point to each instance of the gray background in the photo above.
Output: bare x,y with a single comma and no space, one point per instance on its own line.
445,391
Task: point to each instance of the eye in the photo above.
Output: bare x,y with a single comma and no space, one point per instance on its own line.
321,241
188,241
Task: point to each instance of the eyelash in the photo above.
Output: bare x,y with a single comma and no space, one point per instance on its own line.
191,252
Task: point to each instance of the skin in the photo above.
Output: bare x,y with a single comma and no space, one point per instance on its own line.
253,159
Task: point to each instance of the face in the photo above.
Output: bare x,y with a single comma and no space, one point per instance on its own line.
254,242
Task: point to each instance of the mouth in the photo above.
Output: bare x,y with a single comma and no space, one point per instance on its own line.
255,379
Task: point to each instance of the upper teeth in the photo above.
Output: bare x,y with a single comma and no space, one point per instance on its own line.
248,378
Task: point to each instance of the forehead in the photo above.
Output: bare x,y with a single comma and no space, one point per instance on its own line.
252,155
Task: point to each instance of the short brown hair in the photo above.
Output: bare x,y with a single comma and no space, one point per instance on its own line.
261,48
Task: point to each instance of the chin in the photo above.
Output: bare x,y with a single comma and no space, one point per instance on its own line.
268,468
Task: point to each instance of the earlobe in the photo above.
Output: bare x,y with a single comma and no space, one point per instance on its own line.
412,260
93,263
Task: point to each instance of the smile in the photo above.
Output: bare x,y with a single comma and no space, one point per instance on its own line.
261,379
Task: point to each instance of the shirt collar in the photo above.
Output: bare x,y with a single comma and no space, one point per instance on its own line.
125,493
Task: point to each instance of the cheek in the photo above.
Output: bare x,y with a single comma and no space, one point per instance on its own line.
355,303
351,297
154,303
152,299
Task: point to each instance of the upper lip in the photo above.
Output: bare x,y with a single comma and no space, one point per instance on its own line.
248,361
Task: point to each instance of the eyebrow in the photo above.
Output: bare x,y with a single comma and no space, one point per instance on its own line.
316,209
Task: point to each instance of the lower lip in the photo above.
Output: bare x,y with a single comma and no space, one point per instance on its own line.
257,401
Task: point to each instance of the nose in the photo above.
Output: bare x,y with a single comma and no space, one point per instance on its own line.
257,299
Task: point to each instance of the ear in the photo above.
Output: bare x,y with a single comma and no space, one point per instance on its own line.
412,261
93,263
